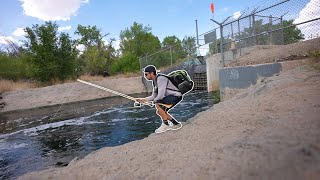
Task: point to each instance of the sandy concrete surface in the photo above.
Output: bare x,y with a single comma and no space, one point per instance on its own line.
269,131
277,53
68,92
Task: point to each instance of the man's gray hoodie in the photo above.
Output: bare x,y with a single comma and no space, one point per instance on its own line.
161,89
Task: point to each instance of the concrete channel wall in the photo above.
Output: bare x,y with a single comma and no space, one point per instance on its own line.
214,63
234,80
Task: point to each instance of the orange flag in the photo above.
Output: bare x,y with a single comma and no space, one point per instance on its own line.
212,8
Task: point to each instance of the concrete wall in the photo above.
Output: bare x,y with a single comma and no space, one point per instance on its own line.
233,80
213,66
214,63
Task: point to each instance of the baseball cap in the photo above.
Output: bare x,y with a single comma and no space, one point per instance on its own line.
150,68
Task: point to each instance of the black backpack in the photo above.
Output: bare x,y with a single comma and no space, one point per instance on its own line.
181,80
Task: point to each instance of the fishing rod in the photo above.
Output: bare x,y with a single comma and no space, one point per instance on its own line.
136,103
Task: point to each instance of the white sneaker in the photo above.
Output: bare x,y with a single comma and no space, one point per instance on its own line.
176,127
163,128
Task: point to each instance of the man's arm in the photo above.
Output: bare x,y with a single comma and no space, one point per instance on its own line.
152,97
149,98
162,86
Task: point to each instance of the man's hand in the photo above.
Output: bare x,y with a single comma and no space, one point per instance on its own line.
141,100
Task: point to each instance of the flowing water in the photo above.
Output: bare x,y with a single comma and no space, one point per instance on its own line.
52,144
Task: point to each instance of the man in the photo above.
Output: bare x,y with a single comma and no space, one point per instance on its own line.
165,96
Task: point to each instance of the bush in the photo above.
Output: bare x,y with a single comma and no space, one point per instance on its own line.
13,68
315,55
52,55
126,63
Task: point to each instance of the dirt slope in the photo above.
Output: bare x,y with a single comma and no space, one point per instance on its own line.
269,54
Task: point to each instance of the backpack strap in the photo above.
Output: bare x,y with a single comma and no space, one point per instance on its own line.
173,89
169,79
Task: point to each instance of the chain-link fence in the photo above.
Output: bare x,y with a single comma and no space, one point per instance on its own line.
168,57
173,58
272,23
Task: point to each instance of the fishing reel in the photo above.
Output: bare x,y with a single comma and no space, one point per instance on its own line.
139,104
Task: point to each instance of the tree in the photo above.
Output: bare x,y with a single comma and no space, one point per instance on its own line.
171,41
52,55
89,36
13,67
128,62
214,46
138,40
135,42
189,45
290,34
176,48
97,56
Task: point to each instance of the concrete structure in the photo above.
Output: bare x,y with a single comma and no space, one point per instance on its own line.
214,63
234,80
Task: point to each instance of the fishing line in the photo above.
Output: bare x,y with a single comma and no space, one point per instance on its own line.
68,95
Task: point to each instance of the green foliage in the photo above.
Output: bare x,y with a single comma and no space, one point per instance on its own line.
126,63
96,60
216,96
315,54
291,34
214,47
52,56
138,40
161,59
13,67
176,47
189,45
90,36
315,63
97,56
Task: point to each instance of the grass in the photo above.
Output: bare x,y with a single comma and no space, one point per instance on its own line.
9,85
216,96
100,78
315,63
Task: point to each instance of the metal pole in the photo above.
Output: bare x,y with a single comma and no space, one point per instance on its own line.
282,36
221,44
221,37
254,30
239,36
232,30
198,46
216,44
171,54
232,42
270,29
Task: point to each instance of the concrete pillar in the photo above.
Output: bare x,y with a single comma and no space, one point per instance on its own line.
213,63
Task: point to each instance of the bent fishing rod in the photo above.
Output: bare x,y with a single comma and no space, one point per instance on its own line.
136,103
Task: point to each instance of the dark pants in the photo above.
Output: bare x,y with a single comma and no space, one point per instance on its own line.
174,100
